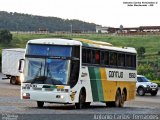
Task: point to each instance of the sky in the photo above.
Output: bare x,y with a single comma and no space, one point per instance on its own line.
111,13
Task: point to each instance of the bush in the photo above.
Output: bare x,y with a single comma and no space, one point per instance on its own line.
5,36
147,70
141,51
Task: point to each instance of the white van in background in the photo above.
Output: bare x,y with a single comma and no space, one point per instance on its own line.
10,62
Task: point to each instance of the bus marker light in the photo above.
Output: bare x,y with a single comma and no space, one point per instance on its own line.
66,90
62,90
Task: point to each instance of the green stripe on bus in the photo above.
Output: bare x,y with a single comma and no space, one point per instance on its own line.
99,84
96,84
93,83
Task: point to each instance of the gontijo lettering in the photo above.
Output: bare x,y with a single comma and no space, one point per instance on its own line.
115,74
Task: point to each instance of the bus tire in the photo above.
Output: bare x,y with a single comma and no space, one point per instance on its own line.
117,99
13,80
82,99
122,100
40,104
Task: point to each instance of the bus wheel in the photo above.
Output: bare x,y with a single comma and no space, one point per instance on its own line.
40,104
82,99
117,99
13,80
123,98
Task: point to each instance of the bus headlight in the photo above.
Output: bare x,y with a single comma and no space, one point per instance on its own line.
62,96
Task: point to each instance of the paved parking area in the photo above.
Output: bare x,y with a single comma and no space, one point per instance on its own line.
11,104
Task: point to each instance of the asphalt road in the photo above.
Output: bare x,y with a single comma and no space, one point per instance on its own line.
13,108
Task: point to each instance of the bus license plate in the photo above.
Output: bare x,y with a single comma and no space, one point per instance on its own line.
154,89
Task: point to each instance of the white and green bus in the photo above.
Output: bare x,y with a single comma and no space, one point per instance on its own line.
79,72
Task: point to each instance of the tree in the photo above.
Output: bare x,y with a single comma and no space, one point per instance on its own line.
141,51
5,36
146,70
26,22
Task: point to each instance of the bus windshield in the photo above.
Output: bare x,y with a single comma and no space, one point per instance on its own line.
47,71
47,64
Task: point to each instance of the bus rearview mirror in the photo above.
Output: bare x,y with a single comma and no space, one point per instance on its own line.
21,65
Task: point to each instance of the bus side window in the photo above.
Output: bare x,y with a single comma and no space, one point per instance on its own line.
95,57
127,61
102,58
88,56
130,61
106,58
121,60
83,55
113,58
134,61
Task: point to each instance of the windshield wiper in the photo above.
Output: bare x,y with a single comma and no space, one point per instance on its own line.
39,79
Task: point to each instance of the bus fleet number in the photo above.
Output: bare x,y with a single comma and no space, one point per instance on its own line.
132,75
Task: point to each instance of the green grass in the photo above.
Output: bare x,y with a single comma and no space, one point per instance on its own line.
150,42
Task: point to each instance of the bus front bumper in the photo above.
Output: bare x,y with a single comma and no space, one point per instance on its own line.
54,97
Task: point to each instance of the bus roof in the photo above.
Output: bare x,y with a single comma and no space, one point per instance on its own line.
55,41
82,42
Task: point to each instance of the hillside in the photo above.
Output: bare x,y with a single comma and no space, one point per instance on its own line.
151,44
25,22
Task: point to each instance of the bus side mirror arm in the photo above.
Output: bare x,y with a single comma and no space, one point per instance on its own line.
21,65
